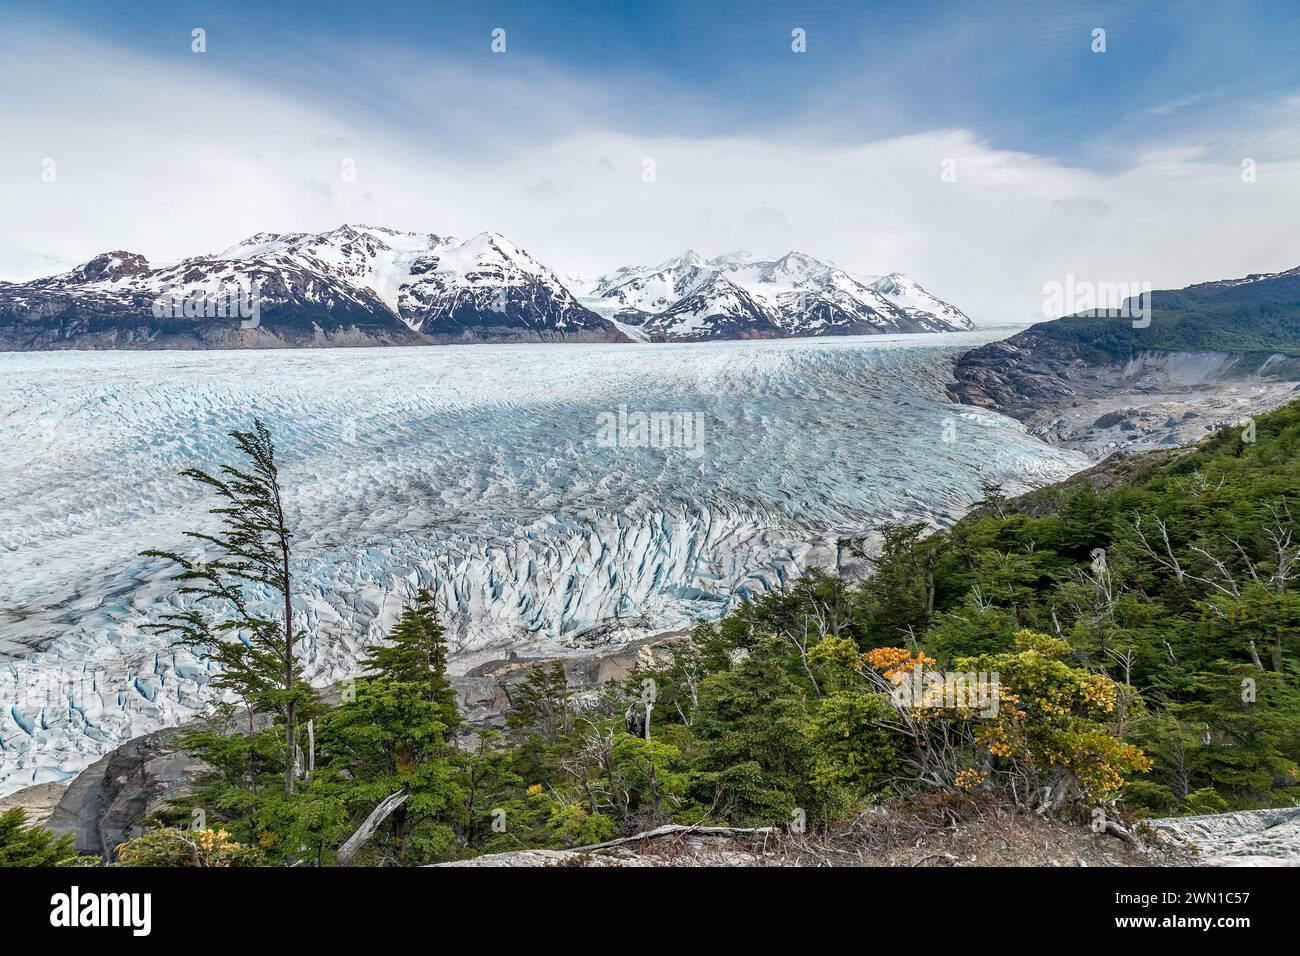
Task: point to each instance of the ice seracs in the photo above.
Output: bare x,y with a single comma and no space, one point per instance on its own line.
478,474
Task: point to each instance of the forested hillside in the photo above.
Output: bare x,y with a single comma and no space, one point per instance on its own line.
1257,314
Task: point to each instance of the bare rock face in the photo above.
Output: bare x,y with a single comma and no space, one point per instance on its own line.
1152,400
38,802
1245,838
107,803
1017,376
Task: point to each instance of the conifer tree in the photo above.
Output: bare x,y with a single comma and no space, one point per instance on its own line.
23,845
416,653
254,651
542,706
395,737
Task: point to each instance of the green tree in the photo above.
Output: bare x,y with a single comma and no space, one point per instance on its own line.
416,653
540,723
395,736
23,845
853,748
488,781
755,755
254,651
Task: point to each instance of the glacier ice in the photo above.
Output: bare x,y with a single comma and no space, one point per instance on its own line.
473,471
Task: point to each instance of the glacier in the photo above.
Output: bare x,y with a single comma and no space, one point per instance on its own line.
472,471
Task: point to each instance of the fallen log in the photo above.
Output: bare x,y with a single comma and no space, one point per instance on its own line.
364,832
677,829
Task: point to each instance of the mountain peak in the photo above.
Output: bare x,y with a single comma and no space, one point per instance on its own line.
797,294
688,259
368,281
111,266
353,283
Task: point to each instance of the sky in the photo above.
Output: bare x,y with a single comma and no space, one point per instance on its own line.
985,148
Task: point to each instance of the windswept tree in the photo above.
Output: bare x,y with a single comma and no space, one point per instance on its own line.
230,621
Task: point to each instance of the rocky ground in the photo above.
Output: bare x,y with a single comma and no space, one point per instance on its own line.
885,839
1154,400
993,838
1246,838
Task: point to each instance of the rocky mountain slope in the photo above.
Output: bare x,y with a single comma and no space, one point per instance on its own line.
1211,355
367,285
354,285
689,298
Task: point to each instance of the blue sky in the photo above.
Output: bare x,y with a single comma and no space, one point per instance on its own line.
1023,73
755,146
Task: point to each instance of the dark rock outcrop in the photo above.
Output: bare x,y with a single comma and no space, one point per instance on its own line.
1019,376
108,802
1186,362
1152,399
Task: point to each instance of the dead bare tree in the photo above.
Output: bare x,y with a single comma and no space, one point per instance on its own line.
1281,567
1286,556
802,643
1124,692
372,823
1169,560
691,671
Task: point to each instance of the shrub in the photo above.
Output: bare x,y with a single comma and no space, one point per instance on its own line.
173,847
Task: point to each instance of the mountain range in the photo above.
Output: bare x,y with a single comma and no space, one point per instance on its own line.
365,285
690,298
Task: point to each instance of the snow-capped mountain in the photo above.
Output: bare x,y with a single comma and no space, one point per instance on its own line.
715,308
906,293
650,290
354,285
689,298
366,285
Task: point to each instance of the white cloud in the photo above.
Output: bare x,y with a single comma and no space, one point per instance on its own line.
177,158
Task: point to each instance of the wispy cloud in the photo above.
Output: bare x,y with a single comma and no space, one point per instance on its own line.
181,157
